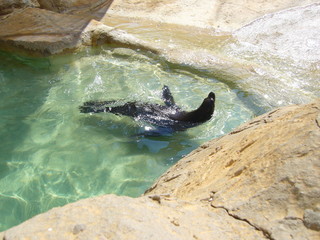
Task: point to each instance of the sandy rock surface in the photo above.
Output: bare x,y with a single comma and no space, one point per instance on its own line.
266,172
62,24
225,15
8,6
43,32
112,217
293,33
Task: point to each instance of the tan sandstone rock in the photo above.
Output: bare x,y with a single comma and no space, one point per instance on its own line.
39,31
59,25
61,6
226,15
266,172
112,217
74,6
8,6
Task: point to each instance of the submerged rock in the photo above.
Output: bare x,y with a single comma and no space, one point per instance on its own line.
261,181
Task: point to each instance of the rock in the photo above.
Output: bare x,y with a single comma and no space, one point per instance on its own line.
43,32
96,33
8,6
311,219
226,15
73,6
61,26
266,172
40,31
283,49
58,29
292,33
78,228
113,217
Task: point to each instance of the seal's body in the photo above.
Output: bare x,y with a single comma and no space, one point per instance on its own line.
168,115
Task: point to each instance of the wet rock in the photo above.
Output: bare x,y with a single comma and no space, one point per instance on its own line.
283,49
292,33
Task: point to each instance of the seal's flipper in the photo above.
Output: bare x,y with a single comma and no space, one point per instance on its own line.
95,106
100,103
127,109
167,96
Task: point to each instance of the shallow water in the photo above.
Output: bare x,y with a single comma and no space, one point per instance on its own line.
51,154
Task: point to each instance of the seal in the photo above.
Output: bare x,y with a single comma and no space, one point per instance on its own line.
168,115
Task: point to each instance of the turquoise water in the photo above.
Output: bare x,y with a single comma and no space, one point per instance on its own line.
50,154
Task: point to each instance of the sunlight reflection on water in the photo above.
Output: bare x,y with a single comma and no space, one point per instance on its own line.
52,154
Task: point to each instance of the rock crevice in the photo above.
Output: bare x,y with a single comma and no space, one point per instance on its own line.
265,232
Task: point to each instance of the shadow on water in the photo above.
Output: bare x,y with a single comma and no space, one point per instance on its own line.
138,137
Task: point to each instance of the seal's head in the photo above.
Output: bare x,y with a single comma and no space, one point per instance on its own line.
206,109
212,96
208,103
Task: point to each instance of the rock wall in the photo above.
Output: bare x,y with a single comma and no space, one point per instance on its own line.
47,27
8,6
70,6
261,181
224,15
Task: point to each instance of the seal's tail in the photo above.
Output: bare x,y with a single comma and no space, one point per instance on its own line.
167,96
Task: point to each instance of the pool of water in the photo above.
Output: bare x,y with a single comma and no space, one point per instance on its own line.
51,154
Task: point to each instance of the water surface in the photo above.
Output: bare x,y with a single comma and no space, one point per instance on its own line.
51,154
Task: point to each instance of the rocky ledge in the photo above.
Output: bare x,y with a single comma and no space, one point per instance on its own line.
261,181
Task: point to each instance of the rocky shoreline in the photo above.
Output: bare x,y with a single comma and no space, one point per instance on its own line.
261,181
